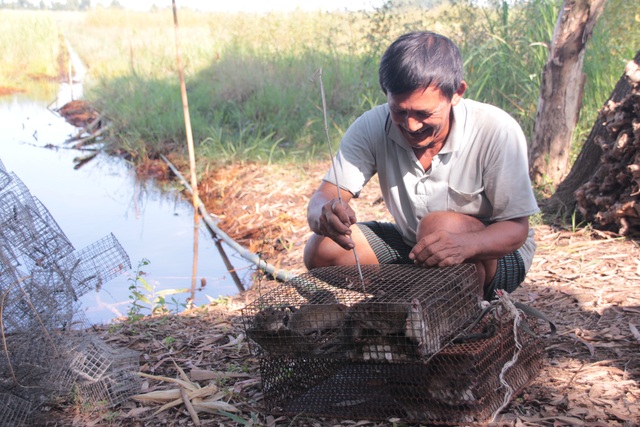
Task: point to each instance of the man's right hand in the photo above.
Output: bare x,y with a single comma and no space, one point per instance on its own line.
335,221
330,217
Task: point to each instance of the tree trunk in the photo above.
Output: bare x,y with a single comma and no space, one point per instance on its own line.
561,91
563,202
610,200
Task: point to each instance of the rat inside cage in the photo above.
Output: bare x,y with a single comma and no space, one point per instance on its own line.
405,342
398,312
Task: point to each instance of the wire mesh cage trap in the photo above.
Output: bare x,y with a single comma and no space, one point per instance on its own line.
397,312
412,343
13,410
42,277
112,389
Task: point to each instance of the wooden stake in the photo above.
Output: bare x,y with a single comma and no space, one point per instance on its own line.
192,159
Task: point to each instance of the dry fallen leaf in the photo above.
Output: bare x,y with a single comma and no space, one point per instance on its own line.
634,331
192,395
233,341
161,396
214,406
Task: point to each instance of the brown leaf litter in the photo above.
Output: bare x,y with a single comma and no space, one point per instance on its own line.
585,281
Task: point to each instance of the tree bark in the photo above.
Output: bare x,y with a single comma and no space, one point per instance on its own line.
561,91
563,202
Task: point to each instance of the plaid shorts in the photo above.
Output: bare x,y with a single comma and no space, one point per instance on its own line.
387,244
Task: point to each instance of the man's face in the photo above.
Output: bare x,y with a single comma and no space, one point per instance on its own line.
423,116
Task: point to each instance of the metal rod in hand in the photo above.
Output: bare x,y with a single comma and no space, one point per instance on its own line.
335,173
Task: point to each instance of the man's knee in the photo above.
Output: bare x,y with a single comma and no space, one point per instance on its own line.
450,221
312,255
321,251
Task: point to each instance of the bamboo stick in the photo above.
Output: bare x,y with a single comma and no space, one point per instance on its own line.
281,275
192,158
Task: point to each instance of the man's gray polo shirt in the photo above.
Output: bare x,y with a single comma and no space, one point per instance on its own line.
481,171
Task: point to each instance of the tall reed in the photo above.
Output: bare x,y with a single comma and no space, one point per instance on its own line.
248,76
504,52
31,48
505,46
615,41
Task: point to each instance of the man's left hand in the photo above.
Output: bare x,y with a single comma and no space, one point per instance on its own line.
441,249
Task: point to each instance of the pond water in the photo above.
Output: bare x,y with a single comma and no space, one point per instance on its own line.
104,197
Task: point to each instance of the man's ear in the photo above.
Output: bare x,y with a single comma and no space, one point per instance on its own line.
458,95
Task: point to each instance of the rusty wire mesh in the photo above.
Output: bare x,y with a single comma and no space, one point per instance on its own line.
411,343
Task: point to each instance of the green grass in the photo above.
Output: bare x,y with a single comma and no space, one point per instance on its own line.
615,41
251,91
249,79
505,56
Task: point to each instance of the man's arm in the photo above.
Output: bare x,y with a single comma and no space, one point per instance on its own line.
328,217
444,247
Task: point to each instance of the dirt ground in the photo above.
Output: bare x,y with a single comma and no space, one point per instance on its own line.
585,281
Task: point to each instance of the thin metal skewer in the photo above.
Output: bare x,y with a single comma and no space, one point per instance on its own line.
335,173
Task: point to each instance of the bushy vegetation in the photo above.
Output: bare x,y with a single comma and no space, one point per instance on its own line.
31,48
616,40
250,77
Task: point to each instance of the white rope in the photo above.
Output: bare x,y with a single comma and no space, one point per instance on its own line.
503,298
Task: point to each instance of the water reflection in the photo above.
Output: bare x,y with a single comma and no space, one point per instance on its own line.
103,197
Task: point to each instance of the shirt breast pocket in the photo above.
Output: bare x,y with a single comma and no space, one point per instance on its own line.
467,201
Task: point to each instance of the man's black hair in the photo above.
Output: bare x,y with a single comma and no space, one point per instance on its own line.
418,60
